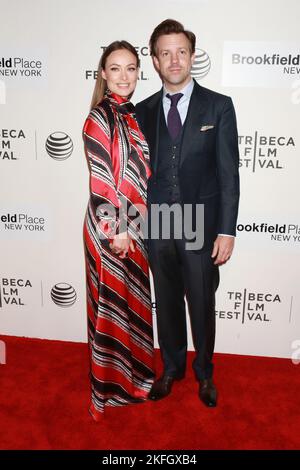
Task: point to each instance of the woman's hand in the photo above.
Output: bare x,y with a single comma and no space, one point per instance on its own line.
121,244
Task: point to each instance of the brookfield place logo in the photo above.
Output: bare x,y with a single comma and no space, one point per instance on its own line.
22,222
201,65
248,306
267,59
265,152
63,294
261,64
275,232
59,146
20,67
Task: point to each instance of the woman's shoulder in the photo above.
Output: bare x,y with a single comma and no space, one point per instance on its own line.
100,111
101,115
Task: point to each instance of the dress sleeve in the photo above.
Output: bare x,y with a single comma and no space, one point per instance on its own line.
104,200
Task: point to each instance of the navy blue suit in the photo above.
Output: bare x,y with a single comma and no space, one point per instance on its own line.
207,173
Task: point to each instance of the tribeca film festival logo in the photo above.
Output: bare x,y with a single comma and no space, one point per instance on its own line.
248,306
59,146
15,143
143,52
261,152
10,139
63,294
199,70
21,222
20,67
12,291
275,232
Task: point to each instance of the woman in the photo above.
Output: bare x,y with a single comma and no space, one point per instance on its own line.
118,293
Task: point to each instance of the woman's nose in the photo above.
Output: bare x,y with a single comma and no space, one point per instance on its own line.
124,74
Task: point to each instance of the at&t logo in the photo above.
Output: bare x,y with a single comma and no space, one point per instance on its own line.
59,146
201,65
63,294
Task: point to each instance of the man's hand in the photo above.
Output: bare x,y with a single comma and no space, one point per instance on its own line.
223,248
121,244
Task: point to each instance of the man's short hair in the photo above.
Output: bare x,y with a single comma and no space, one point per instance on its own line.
170,27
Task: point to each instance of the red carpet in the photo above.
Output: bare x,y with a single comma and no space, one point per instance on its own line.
44,398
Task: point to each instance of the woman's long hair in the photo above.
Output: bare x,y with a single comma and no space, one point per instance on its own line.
101,85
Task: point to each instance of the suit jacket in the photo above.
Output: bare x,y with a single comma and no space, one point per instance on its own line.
209,161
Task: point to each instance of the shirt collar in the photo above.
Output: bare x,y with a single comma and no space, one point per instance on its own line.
186,91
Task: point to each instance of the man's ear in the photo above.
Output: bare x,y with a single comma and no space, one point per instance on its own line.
193,57
156,63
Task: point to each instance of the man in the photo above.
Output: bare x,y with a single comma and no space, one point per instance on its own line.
192,135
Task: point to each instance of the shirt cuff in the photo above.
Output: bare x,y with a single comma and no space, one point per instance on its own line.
226,235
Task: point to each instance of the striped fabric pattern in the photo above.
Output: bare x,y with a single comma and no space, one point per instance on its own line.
118,293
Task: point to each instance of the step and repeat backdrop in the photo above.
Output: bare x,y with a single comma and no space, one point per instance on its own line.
49,53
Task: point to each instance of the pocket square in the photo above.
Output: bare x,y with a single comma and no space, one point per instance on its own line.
206,128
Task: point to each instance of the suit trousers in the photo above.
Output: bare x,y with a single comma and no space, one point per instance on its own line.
179,273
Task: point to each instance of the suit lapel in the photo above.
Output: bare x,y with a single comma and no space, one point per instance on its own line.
197,107
153,118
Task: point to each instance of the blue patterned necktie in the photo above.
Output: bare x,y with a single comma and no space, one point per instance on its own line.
173,119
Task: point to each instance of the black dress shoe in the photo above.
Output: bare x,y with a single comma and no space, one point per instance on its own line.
162,387
208,393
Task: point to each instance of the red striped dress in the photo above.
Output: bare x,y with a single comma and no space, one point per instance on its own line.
118,293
